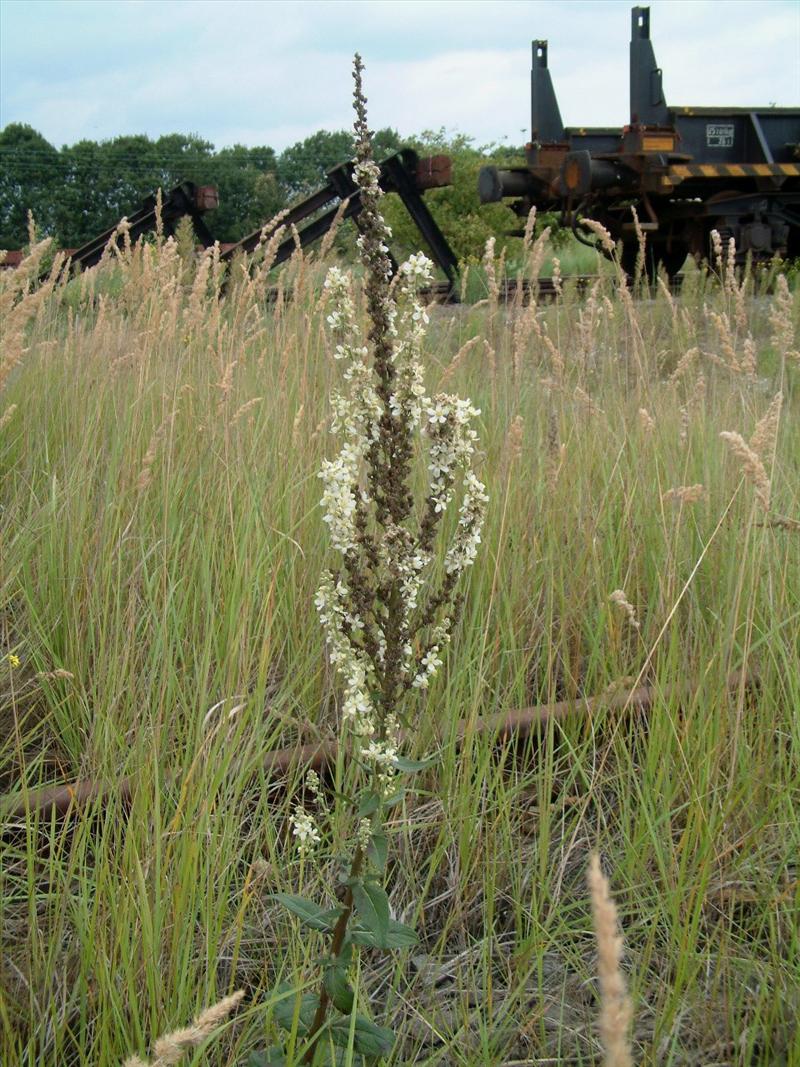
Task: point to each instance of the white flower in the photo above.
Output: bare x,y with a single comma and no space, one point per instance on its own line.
305,830
347,502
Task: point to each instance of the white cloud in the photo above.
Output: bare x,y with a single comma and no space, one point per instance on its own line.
275,72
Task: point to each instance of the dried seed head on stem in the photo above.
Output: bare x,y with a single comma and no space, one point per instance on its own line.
174,1047
616,1010
751,466
618,597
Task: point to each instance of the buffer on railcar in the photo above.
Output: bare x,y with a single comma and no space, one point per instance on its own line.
686,170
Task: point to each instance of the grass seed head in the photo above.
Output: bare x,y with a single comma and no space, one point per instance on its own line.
751,466
618,597
616,1011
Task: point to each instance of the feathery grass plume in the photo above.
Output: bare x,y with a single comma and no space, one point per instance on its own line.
557,365
588,319
748,360
112,248
457,360
663,288
646,421
501,269
145,476
684,365
616,1011
491,359
297,423
719,259
298,265
686,422
160,217
245,409
739,292
754,456
193,312
225,384
752,467
7,415
599,230
588,404
174,1047
32,231
524,320
267,254
59,674
765,434
780,320
513,442
730,268
641,244
271,228
684,494
20,302
618,597
186,244
697,399
462,296
536,259
556,276
530,229
492,285
327,241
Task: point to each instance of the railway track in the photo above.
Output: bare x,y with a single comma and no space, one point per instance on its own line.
545,289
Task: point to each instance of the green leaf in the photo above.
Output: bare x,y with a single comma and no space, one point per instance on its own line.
372,907
339,989
398,936
368,805
395,798
368,1039
283,1009
268,1057
378,849
309,913
411,766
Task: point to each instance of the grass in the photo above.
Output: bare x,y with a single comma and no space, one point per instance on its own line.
161,543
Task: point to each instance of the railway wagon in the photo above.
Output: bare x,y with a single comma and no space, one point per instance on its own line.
686,170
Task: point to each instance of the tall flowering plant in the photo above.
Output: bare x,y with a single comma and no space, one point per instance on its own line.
387,609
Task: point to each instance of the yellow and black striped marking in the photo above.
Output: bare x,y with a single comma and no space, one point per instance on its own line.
734,170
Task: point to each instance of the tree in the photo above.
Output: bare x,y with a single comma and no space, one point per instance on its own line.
303,166
106,180
466,223
30,177
249,191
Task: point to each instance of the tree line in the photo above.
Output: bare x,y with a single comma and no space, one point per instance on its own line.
82,189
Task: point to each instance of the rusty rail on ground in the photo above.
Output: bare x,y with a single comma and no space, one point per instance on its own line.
519,723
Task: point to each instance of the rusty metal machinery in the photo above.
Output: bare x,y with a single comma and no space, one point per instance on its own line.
185,199
685,170
404,173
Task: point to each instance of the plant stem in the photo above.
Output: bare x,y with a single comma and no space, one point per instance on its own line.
339,932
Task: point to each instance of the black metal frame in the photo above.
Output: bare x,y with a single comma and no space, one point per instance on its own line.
687,170
184,199
398,174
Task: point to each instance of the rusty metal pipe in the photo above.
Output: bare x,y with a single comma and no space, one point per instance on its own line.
61,799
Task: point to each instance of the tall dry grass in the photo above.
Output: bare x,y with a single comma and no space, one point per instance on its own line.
161,545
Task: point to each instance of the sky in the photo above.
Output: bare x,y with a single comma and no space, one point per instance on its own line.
255,72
